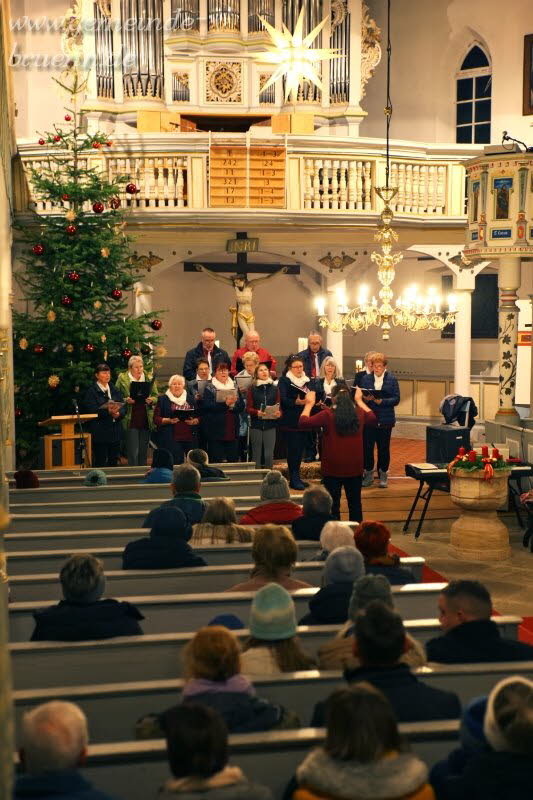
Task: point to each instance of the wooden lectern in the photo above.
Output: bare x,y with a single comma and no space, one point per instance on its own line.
68,438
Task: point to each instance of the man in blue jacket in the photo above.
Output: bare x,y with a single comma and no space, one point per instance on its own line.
206,348
54,743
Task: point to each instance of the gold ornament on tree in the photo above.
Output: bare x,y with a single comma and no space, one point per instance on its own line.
97,304
51,316
69,348
71,215
23,343
103,337
160,351
53,381
104,252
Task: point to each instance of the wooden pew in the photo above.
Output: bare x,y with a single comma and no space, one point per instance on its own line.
38,586
268,758
153,493
120,472
112,709
157,657
166,613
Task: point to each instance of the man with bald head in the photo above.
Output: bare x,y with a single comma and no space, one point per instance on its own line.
53,747
252,345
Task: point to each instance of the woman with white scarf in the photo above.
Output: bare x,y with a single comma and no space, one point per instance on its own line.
139,419
220,419
176,419
293,388
262,394
329,378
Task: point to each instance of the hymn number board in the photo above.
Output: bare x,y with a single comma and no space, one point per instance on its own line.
247,177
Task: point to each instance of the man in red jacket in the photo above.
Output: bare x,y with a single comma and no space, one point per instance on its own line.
251,345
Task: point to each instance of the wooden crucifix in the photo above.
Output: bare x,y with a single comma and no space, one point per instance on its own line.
242,316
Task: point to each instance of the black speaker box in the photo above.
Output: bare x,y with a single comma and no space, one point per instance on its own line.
443,442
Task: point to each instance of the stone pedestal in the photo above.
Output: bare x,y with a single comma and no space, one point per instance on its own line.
479,534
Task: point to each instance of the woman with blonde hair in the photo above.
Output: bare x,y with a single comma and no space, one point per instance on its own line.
176,419
274,553
219,524
273,646
213,673
329,378
140,395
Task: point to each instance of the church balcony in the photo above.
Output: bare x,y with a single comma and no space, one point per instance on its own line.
271,179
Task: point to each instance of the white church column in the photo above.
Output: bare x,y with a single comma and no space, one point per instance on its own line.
463,342
336,295
508,283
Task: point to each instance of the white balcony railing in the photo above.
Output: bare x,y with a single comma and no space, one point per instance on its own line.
172,173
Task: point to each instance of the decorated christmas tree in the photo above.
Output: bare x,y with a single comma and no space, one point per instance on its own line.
78,274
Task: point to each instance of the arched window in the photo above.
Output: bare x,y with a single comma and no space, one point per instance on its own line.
473,98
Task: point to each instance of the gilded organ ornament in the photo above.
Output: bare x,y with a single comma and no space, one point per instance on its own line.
223,82
370,47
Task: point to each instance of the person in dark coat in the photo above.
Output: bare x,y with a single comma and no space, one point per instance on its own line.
372,539
316,505
82,615
166,547
293,386
503,768
221,421
382,393
106,431
185,487
161,470
329,606
379,644
53,746
199,459
212,666
176,419
197,749
367,370
206,348
314,354
470,636
262,395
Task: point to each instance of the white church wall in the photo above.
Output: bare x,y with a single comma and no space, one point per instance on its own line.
429,42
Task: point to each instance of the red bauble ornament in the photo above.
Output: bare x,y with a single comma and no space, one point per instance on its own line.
65,197
38,249
71,229
57,138
116,294
98,207
109,144
145,350
67,117
115,203
66,301
18,413
42,141
97,145
38,349
156,324
89,348
126,353
131,188
73,276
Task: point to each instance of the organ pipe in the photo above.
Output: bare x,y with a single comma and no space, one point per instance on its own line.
142,47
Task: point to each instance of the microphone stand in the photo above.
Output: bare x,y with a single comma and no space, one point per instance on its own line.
84,460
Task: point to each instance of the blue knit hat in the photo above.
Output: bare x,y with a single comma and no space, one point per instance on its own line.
229,621
272,615
343,565
95,477
169,521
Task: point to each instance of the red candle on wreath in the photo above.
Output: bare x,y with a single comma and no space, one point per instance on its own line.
496,453
485,451
461,451
472,456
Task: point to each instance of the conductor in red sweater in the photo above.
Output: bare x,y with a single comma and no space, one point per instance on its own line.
342,445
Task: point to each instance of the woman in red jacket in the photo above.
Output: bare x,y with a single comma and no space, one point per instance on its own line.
342,445
276,505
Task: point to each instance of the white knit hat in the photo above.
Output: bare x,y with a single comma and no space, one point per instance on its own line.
275,486
493,732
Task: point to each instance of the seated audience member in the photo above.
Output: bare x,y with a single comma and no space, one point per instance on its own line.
200,460
95,477
470,636
338,652
330,604
372,539
197,750
185,487
379,643
363,756
54,738
334,534
496,757
213,673
273,646
26,479
221,420
219,525
162,466
316,505
252,345
274,554
82,615
276,505
166,547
